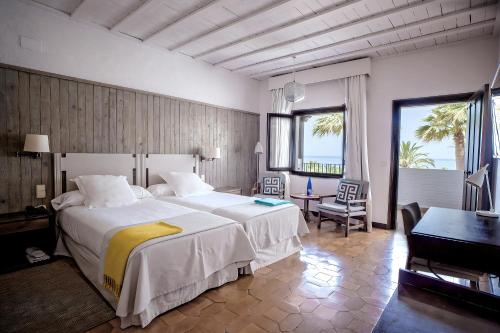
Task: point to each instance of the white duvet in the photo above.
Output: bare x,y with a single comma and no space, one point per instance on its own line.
208,244
265,226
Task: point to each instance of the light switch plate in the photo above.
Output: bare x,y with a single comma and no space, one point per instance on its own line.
40,191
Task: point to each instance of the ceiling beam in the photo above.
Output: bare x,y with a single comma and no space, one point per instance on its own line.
243,18
78,8
363,52
131,13
167,26
496,29
412,25
313,16
364,20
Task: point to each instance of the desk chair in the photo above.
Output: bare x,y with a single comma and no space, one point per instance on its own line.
411,215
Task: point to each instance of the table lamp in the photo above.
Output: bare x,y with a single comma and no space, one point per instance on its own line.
477,180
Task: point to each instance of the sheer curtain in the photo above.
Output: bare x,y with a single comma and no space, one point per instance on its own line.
279,135
356,135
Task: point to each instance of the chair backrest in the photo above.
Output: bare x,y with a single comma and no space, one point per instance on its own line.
276,182
351,189
411,215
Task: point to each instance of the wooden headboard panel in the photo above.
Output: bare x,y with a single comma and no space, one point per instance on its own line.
154,164
71,165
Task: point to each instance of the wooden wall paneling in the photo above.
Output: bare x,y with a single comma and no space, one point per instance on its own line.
97,119
24,128
238,151
55,130
141,105
161,125
36,164
150,125
222,143
73,116
81,145
119,121
132,127
4,171
127,118
105,120
64,115
10,110
156,124
204,137
199,118
231,177
183,123
45,129
112,121
144,109
211,119
89,118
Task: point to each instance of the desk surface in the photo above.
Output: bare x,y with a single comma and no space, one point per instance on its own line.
458,225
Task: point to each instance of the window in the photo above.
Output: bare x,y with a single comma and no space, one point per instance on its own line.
496,121
307,142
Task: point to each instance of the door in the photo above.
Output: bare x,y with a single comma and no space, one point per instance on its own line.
473,143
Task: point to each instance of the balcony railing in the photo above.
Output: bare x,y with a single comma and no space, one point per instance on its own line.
327,168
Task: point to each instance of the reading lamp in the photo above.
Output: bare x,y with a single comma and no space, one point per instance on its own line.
35,144
477,180
213,154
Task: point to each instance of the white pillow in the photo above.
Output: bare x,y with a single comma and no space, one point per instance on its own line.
161,190
140,192
186,184
68,199
105,191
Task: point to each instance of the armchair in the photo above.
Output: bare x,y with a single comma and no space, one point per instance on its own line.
273,185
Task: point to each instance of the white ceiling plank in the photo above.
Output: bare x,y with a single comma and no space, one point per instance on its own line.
181,19
246,17
346,25
298,66
78,8
134,11
413,29
314,16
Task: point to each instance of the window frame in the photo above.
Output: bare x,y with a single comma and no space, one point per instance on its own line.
293,149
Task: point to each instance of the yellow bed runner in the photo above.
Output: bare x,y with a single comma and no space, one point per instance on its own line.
121,245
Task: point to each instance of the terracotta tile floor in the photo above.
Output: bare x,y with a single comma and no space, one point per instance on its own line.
335,284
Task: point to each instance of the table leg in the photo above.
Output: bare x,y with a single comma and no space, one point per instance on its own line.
306,210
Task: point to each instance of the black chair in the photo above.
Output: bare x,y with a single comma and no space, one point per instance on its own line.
411,215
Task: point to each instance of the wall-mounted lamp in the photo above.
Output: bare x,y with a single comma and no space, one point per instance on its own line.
34,145
212,154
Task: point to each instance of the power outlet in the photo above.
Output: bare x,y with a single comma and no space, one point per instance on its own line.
40,191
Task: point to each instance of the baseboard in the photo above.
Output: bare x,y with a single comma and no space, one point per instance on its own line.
379,225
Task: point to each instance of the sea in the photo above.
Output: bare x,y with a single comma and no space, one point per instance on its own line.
440,163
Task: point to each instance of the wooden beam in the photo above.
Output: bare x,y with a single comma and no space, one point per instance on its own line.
364,20
78,8
181,19
131,13
496,28
243,18
363,52
417,24
307,18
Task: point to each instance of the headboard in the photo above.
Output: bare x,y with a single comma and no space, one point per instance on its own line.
70,165
154,164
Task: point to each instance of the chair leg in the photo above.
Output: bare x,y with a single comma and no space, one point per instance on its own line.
474,284
319,216
408,262
347,227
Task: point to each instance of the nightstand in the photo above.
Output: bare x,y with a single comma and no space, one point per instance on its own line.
18,232
230,189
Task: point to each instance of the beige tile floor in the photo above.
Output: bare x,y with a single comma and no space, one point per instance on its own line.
335,284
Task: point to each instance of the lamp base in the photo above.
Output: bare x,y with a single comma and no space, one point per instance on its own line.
487,213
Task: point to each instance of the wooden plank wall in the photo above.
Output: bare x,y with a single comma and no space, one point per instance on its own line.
85,117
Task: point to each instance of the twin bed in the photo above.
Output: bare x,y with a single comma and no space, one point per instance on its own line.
223,234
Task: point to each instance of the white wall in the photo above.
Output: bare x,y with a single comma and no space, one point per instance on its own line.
88,52
456,68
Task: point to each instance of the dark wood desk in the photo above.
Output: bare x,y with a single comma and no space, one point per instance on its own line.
459,238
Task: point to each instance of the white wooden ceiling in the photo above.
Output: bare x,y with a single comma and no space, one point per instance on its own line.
260,38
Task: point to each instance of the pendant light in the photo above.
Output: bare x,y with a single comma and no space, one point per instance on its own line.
294,91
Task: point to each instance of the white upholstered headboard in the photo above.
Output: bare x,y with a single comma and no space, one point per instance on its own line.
154,164
70,165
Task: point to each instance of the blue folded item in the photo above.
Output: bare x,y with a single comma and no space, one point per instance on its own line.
270,202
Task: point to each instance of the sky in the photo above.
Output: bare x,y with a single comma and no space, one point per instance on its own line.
329,145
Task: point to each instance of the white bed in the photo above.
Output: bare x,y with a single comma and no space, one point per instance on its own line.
273,231
161,273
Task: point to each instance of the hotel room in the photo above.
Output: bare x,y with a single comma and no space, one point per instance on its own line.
249,166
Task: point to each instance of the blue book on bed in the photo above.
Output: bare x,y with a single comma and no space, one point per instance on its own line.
270,202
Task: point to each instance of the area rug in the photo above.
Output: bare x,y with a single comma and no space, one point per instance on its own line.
50,298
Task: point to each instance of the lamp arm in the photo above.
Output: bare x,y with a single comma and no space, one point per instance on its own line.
492,207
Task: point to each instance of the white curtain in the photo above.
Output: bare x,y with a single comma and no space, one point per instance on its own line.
356,135
279,135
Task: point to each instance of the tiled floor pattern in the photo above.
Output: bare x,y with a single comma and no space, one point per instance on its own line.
336,284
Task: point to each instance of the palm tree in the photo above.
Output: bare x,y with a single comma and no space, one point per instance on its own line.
448,120
332,123
410,156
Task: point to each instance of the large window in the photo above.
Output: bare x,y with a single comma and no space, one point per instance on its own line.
307,142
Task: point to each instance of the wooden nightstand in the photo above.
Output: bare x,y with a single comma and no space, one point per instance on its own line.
230,189
18,232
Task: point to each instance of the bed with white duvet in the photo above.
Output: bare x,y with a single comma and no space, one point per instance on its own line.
161,273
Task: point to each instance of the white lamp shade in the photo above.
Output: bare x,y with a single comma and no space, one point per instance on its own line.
213,152
258,148
37,143
477,178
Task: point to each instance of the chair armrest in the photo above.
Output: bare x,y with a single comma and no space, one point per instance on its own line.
357,201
